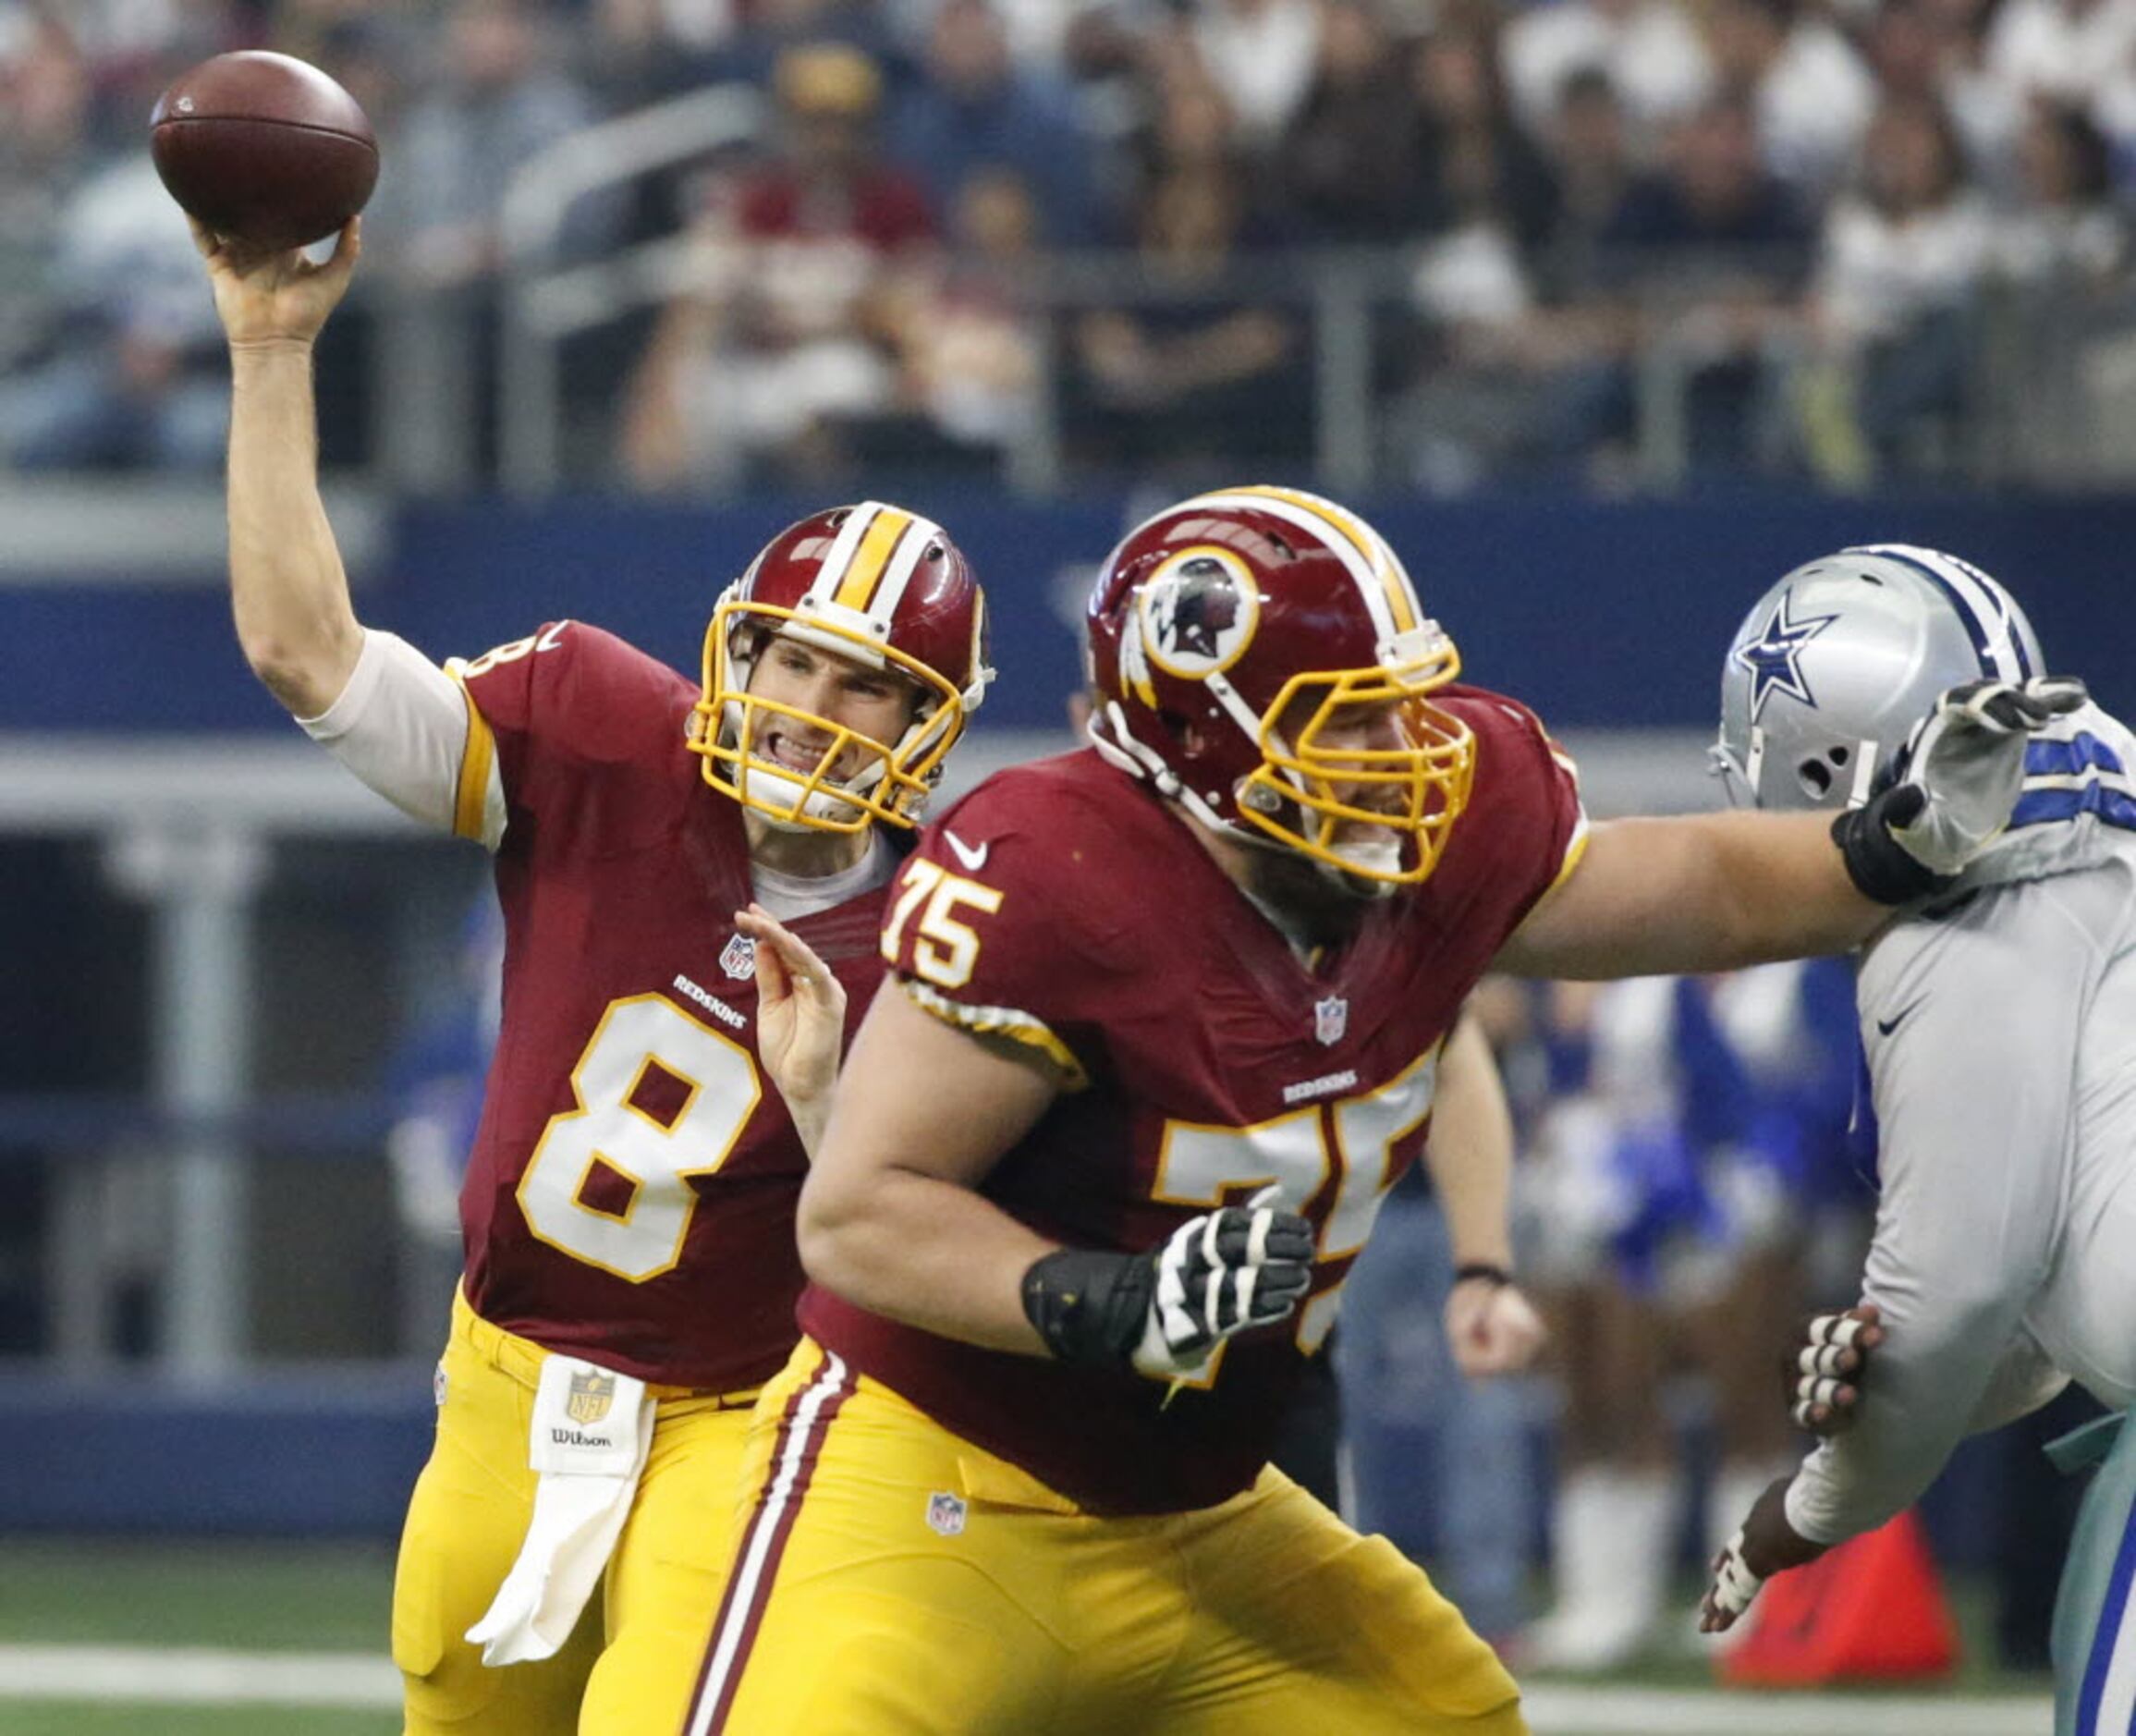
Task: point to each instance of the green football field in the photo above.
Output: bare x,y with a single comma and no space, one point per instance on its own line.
182,1639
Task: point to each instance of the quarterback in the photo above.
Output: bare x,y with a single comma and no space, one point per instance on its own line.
1169,1022
692,882
2000,1030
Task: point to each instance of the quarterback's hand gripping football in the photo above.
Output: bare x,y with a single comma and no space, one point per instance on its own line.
265,296
1958,778
1162,1310
1826,1376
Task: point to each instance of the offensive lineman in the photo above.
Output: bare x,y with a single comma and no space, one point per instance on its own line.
2000,1028
1171,1016
627,1212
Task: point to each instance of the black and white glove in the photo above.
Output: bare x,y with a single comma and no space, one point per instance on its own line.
1955,783
1162,1310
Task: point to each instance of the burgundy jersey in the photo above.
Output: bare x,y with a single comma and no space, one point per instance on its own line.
1065,905
630,1194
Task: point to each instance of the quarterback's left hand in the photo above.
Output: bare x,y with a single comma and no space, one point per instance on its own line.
1958,778
1491,1327
801,1014
1766,1545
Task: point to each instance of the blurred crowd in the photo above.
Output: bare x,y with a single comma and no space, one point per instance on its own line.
1789,223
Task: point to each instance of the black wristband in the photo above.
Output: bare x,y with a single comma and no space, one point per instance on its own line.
1879,865
1489,1271
1090,1306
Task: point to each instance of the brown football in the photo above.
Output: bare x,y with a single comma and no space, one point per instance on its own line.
263,148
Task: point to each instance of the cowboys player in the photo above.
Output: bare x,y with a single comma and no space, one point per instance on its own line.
2000,1029
692,879
1170,1017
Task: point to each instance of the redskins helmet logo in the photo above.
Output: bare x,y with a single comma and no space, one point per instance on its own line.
1198,611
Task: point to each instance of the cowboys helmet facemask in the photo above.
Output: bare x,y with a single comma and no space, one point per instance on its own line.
1835,663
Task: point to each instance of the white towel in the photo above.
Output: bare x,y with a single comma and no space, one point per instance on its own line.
592,1431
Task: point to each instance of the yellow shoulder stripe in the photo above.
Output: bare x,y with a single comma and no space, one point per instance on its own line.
476,759
1000,1021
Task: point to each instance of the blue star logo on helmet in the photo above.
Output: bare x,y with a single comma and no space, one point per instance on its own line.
1775,656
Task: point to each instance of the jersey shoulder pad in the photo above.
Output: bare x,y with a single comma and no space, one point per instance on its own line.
1010,914
574,692
1525,822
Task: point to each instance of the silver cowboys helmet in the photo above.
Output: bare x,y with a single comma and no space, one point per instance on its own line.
1835,663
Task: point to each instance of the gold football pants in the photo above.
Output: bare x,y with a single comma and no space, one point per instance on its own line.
894,1580
629,1666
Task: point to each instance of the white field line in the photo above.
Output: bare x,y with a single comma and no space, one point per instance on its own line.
1604,1711
189,1676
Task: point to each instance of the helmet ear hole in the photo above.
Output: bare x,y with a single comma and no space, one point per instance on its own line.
1815,777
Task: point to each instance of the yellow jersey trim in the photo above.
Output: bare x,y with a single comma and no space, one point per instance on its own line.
476,761
1000,1021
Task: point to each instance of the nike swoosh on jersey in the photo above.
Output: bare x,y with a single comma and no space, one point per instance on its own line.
1885,1026
973,860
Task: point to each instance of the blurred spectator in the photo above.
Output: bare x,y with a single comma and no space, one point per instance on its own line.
1486,201
1591,159
1809,89
1710,255
1262,54
499,101
1694,1126
1201,375
44,158
1930,50
969,348
1341,184
1650,51
2066,50
973,109
1475,163
793,326
767,30
135,381
1902,255
2066,229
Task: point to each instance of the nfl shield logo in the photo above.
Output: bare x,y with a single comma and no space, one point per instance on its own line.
591,1396
1330,1020
945,1514
739,959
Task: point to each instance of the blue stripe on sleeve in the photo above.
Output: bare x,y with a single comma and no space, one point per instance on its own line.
2085,751
2043,807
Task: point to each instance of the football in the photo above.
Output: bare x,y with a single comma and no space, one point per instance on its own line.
264,148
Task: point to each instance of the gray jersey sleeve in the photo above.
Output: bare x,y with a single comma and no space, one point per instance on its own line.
1972,1027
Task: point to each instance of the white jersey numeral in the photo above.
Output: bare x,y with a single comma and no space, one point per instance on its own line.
653,1149
1203,1167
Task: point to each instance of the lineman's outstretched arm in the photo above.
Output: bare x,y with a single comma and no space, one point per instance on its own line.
288,588
1701,892
888,1217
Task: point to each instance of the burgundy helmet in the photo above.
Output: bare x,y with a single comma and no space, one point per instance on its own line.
1228,632
884,588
